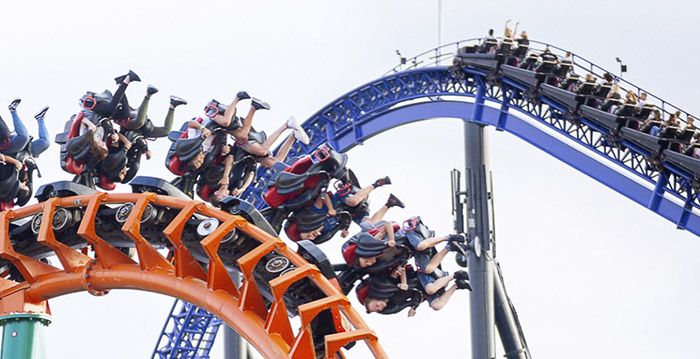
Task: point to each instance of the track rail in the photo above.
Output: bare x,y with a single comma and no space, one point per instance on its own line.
265,324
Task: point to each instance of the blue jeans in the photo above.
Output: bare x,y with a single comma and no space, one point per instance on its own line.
20,140
655,131
42,143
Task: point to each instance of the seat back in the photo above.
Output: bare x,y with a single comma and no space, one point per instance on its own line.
488,46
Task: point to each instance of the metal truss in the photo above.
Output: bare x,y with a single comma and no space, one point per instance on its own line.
189,333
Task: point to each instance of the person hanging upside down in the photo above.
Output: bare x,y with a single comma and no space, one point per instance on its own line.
390,294
142,123
39,145
422,244
259,145
115,107
225,116
350,197
231,179
13,144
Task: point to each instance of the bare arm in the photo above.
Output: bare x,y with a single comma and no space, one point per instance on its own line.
247,183
228,165
404,280
124,140
87,123
198,126
11,160
329,204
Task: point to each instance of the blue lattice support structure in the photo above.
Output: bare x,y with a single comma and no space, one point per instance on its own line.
407,94
189,333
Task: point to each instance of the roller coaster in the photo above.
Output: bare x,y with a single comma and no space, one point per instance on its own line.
92,232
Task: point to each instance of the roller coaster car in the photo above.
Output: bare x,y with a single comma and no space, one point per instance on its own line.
683,161
181,152
390,258
382,288
648,142
315,220
237,206
80,163
530,78
466,56
570,99
62,189
299,184
608,121
243,166
142,184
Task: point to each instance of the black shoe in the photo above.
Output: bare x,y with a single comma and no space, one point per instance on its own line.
150,90
41,112
456,247
463,284
461,275
177,101
393,201
259,104
382,181
242,95
456,238
13,105
31,166
133,77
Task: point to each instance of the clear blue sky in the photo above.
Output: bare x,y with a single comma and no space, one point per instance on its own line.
591,274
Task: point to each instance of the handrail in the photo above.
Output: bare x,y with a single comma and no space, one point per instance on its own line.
423,60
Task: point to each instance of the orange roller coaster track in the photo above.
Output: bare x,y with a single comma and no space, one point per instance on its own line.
203,281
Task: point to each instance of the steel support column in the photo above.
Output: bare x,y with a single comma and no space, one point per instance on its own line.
506,321
480,261
235,347
22,336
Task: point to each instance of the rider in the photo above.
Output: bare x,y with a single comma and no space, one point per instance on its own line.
225,116
389,294
24,156
422,242
259,145
350,197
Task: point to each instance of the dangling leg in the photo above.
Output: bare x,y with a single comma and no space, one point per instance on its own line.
164,130
142,115
42,143
284,149
113,107
256,104
21,139
439,283
281,155
440,302
436,260
262,149
393,201
242,133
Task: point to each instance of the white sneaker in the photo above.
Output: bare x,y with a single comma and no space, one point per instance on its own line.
292,123
299,133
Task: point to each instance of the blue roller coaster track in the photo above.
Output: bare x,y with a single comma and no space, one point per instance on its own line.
422,88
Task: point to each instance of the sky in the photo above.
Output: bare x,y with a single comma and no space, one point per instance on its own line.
591,273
